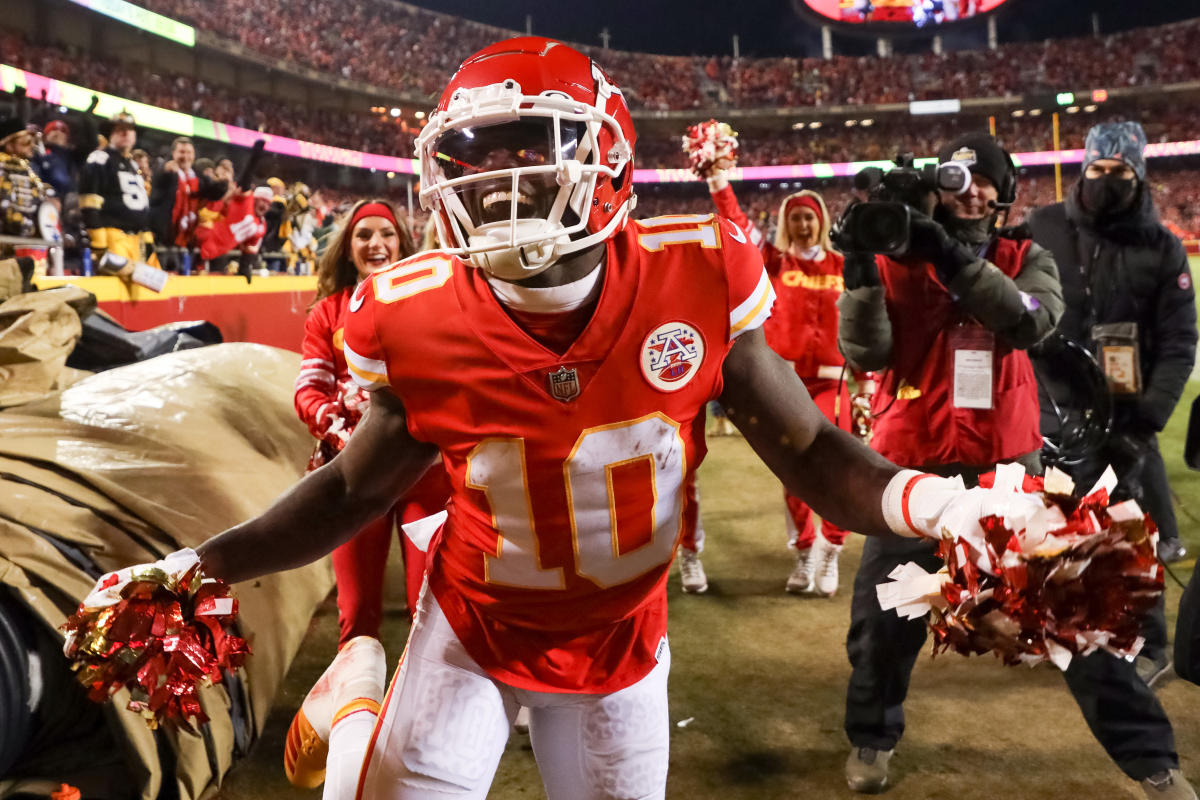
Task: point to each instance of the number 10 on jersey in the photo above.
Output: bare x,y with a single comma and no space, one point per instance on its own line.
625,490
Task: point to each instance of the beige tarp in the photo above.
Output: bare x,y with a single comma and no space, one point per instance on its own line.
38,330
132,463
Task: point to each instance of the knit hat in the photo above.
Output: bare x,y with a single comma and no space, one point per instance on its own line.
56,125
979,153
1123,141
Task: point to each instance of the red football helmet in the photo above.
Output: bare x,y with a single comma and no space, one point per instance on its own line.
529,156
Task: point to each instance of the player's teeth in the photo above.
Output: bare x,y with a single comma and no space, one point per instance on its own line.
491,199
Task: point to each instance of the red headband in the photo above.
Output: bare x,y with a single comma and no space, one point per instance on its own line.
373,210
805,200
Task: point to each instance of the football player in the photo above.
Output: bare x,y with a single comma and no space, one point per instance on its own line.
113,199
556,358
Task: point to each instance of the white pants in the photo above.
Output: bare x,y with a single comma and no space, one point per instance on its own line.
445,722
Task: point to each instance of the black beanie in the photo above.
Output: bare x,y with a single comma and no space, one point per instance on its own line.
980,153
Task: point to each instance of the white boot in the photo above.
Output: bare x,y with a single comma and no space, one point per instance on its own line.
691,572
801,579
825,581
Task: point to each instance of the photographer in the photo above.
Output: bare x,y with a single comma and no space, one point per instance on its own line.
947,322
950,321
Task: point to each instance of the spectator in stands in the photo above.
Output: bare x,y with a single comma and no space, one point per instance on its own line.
238,230
116,208
141,160
176,195
1130,301
21,190
59,163
960,288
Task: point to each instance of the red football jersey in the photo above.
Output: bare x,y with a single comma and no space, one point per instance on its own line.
570,473
238,228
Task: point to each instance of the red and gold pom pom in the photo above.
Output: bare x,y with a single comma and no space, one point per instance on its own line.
706,143
165,637
1080,577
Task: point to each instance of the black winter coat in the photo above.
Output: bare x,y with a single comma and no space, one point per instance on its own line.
1131,269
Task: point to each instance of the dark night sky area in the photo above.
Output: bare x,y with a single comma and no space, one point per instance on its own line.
773,27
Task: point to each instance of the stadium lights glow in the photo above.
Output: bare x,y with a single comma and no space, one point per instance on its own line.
1035,112
850,123
419,115
1089,108
395,112
1018,112
391,175
814,124
141,18
798,126
866,123
1072,109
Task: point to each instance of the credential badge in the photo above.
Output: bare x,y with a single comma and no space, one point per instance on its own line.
671,356
564,384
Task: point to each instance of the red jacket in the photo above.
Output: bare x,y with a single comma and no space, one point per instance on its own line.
916,423
803,326
323,364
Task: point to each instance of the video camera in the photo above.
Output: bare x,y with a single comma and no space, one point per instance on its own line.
881,223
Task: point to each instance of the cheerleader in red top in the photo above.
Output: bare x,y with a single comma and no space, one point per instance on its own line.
806,273
328,401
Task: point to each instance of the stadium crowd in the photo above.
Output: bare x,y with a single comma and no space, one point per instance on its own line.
376,133
410,55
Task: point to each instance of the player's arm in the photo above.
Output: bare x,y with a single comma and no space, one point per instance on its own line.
325,509
829,469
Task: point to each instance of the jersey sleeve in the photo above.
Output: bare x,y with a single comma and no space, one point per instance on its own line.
365,356
727,206
316,385
750,293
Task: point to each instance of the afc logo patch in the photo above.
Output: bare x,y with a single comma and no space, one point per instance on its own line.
671,356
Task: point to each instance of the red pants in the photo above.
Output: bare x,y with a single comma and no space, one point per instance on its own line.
359,564
825,394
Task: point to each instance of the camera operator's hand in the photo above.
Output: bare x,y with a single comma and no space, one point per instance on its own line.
860,270
929,241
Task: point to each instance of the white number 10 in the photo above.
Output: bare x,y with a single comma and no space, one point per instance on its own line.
650,514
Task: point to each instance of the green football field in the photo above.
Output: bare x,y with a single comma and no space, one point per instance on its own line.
758,679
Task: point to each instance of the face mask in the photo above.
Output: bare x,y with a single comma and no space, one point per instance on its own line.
1108,194
970,231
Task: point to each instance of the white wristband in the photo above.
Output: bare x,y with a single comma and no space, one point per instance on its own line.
894,502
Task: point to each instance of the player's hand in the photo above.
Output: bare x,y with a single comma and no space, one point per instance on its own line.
929,241
110,586
940,508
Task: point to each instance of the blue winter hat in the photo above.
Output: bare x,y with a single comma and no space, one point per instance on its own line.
1124,141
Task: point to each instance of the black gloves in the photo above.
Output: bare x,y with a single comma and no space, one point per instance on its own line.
929,241
860,270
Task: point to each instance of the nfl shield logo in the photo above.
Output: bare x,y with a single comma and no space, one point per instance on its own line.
564,384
